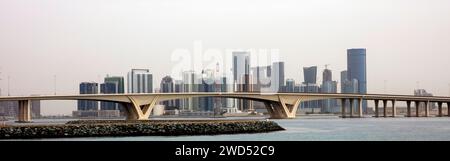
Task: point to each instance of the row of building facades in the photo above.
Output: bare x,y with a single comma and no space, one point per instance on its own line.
244,78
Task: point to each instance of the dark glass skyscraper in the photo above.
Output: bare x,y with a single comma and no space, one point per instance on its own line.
108,88
310,86
167,86
112,85
310,75
356,70
88,88
327,76
119,81
290,85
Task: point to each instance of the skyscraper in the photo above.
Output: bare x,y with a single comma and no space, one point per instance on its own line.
241,65
356,68
327,75
310,75
112,85
310,88
140,81
108,88
88,88
344,80
167,86
207,85
290,85
349,86
241,77
261,77
328,86
277,76
189,85
118,80
224,87
178,88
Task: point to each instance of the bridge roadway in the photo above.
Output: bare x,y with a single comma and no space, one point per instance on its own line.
279,105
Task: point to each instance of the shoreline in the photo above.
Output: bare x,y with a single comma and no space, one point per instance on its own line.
111,128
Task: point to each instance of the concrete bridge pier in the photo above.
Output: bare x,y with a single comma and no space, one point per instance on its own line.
384,108
427,109
140,107
343,102
448,109
274,111
24,111
286,108
376,107
351,107
394,109
417,103
439,109
408,108
130,114
360,109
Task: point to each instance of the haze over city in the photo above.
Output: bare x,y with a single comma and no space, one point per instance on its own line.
407,42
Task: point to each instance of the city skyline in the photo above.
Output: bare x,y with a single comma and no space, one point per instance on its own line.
410,33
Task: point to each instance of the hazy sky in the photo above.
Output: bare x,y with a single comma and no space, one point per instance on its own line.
407,41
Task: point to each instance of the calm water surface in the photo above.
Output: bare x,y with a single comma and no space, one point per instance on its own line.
324,128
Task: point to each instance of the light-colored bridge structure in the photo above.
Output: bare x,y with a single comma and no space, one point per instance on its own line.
279,105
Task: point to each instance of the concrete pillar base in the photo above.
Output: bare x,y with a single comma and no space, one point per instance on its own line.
24,111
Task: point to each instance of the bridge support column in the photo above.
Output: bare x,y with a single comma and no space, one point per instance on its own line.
439,109
448,109
394,108
286,108
351,107
408,108
343,102
427,109
417,103
376,107
360,109
140,107
24,111
384,108
273,110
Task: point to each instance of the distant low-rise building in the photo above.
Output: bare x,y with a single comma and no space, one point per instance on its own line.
11,109
423,92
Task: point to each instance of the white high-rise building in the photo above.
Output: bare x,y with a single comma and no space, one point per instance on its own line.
189,84
140,81
242,77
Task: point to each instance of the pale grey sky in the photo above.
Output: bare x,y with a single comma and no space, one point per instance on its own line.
407,41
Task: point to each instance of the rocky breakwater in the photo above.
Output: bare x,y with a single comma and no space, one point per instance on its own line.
98,128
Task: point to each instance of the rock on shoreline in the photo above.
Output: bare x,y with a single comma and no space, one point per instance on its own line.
98,128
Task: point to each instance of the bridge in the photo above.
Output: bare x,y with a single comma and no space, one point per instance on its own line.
279,105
